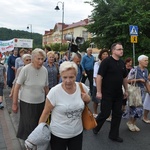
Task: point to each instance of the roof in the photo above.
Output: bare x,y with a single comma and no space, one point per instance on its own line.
77,24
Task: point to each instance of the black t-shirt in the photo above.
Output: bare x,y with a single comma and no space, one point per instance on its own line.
113,72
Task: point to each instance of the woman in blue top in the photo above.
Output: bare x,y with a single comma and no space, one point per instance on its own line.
140,80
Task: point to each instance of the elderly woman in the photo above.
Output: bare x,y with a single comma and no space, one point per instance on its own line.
26,60
66,102
52,68
139,75
33,84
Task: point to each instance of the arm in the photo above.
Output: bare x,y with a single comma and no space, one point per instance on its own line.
15,98
4,74
125,85
46,88
99,86
47,109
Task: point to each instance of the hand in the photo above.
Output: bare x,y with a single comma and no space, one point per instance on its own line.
85,97
99,95
15,108
125,95
142,80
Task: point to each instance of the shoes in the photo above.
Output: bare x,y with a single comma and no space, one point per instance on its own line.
136,128
108,119
94,131
1,106
146,121
131,127
118,139
95,115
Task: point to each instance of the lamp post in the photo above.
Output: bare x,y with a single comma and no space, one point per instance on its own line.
30,27
57,8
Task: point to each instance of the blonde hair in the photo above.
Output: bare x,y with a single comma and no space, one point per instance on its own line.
67,65
25,55
37,51
50,53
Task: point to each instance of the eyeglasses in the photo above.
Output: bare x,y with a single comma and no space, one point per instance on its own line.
28,59
119,49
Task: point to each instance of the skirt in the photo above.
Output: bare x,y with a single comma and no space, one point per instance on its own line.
29,118
146,104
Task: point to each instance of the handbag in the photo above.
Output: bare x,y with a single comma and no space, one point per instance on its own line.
88,119
134,98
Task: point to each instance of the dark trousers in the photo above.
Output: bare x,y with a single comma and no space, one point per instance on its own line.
74,143
90,78
108,105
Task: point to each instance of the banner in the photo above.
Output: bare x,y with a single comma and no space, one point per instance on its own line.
23,43
6,45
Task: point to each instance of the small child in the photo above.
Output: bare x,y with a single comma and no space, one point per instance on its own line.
2,83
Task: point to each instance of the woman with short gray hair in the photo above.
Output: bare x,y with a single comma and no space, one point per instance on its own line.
33,85
66,102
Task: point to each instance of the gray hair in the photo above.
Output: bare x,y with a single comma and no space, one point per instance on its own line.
66,65
76,55
25,55
37,51
89,48
141,57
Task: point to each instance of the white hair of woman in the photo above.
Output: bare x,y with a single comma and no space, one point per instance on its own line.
37,51
141,57
24,56
67,65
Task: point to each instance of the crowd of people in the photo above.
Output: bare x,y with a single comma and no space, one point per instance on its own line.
43,85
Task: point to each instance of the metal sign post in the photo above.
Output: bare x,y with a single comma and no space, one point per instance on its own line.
133,54
133,33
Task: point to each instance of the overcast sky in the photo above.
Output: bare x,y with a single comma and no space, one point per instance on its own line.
18,14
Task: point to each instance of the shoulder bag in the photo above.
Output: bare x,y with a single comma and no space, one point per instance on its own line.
88,119
134,98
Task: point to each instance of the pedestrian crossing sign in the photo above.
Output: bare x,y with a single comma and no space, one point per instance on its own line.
133,30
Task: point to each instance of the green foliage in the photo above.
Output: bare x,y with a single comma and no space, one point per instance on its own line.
56,47
111,20
84,46
7,34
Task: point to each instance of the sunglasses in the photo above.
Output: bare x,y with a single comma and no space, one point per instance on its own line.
28,59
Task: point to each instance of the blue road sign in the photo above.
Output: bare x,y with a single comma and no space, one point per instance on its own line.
133,30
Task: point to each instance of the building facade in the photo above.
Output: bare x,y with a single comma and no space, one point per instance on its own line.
76,29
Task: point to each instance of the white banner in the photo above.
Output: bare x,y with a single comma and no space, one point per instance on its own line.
23,43
6,45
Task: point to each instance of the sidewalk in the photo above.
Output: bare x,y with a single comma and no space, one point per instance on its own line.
8,140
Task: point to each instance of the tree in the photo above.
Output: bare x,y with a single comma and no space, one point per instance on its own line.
111,20
7,34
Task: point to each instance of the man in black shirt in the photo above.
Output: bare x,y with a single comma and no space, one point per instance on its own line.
111,76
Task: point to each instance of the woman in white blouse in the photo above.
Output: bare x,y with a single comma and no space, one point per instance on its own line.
66,102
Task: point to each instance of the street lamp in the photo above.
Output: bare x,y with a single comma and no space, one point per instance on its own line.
57,8
30,27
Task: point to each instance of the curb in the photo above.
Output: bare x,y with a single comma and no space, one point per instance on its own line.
11,131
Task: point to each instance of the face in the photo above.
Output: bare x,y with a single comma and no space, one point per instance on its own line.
77,60
104,55
89,52
15,52
51,58
118,50
129,64
21,54
144,62
27,60
68,78
56,56
38,61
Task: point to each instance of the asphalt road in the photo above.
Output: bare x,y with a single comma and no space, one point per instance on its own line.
132,140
